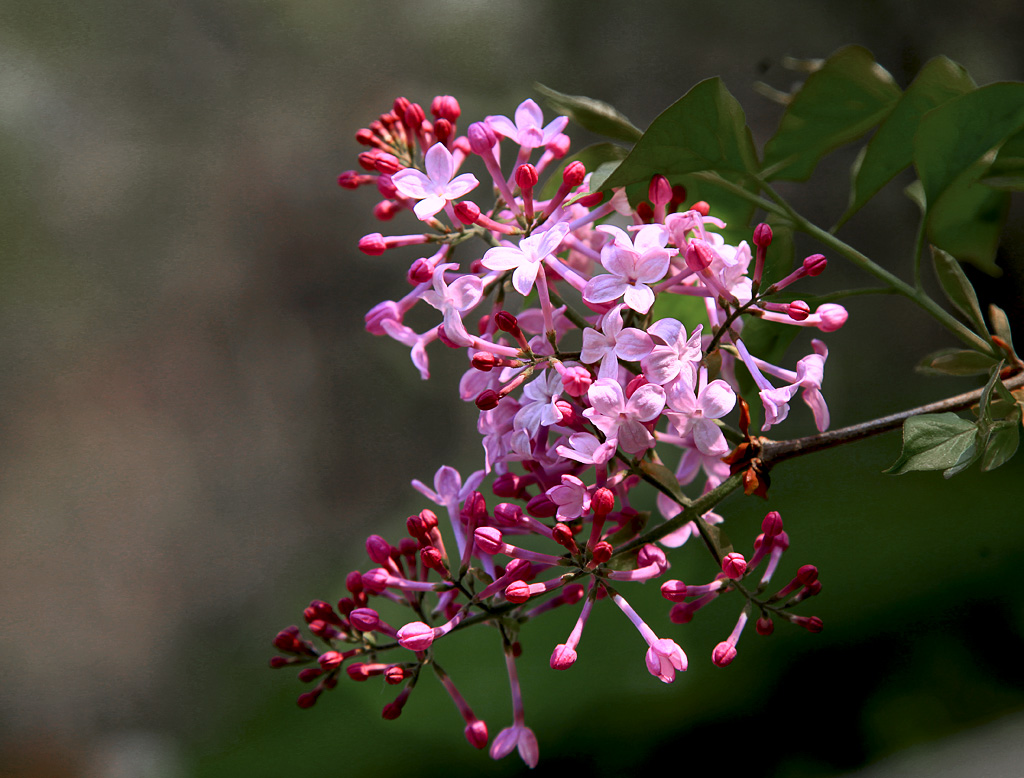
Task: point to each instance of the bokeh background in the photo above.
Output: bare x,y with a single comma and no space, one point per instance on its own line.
196,434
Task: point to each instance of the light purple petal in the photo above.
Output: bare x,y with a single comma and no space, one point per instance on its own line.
460,185
439,164
603,289
638,297
503,258
647,402
428,207
411,183
717,399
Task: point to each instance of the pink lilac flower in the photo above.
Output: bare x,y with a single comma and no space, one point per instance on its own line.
673,354
571,497
692,414
664,656
612,343
526,258
632,265
586,448
464,294
437,187
538,403
526,130
624,420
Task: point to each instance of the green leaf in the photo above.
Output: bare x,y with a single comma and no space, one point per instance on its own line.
594,115
936,441
839,103
961,131
984,403
968,219
705,130
892,147
958,289
666,479
953,361
593,158
1002,444
1007,171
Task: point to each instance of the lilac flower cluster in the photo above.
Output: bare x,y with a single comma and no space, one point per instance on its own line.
581,390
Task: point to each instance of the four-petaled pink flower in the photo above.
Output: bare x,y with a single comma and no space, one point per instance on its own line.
453,300
613,343
526,258
571,497
632,265
436,188
618,418
526,130
692,414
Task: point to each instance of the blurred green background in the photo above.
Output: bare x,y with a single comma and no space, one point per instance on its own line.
197,434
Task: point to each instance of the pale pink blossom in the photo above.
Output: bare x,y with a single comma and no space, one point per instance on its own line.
526,258
624,419
435,188
632,266
454,299
527,129
613,343
571,497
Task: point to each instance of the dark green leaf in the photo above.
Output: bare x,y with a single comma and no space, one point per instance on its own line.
839,103
666,479
958,289
705,130
968,219
1007,171
935,441
592,157
1002,444
594,115
892,148
961,131
953,361
984,403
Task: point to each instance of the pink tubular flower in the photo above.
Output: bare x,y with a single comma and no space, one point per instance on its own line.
526,258
453,300
632,266
624,420
437,187
571,497
693,413
664,656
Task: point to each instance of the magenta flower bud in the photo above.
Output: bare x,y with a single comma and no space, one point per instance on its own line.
364,619
517,592
330,660
506,322
373,244
507,485
388,164
394,675
357,672
508,514
810,623
602,552
603,502
277,662
481,138
574,174
650,554
308,699
352,179
376,580
576,381
432,557
414,117
699,255
832,317
764,626
487,400
476,733
385,210
467,211
378,549
763,235
815,264
591,200
308,674
563,657
659,192
674,590
734,565
443,130
488,539
807,575
386,187
541,507
723,654
798,310
813,588
562,535
445,107
559,145
526,177
772,524
416,636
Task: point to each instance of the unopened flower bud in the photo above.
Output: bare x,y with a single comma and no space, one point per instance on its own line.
517,592
352,179
659,192
699,255
330,660
488,539
807,575
443,130
764,626
431,557
674,590
308,699
378,549
833,317
467,211
772,524
476,733
508,514
723,654
798,310
385,210
526,177
394,675
563,657
506,322
562,535
445,107
602,552
416,636
508,485
308,674
701,207
603,502
734,565
487,400
810,623
481,137
541,507
484,361
576,381
364,619
815,264
574,174
373,244
357,671
763,235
